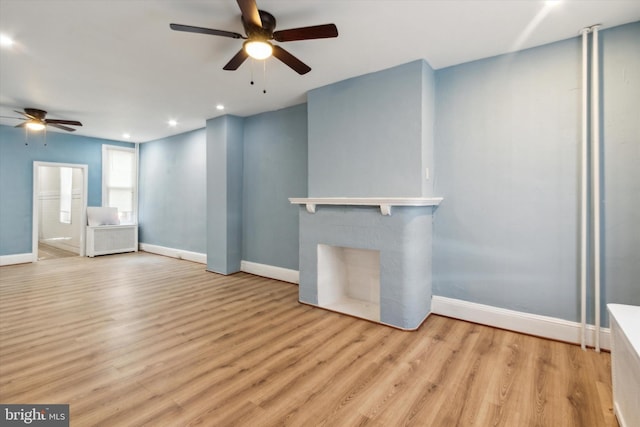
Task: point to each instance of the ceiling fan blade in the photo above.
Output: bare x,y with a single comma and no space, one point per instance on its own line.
290,60
209,31
55,125
236,61
62,122
21,125
250,12
306,33
29,116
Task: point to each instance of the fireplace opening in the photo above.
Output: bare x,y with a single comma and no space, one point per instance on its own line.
349,280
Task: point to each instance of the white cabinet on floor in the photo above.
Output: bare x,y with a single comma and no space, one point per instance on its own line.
111,239
625,362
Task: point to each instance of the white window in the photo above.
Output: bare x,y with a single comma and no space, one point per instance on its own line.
120,181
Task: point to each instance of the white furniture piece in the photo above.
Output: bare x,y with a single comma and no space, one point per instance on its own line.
111,239
625,362
105,235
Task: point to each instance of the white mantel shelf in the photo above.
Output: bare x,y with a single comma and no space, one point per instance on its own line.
385,203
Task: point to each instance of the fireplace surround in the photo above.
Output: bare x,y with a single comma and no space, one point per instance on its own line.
368,257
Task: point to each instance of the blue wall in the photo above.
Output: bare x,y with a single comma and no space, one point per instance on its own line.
224,194
224,190
366,135
621,157
428,129
507,153
16,177
275,168
172,200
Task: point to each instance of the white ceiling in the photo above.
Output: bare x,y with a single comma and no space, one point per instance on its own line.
116,66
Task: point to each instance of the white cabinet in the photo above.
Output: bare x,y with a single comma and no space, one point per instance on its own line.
625,362
111,239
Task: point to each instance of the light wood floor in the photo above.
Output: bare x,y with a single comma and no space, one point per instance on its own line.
46,252
139,339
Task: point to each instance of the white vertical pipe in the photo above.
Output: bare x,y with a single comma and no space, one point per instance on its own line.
137,183
595,154
584,188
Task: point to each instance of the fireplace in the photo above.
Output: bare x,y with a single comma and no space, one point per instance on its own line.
368,257
349,280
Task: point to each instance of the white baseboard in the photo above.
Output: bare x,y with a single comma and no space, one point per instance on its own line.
15,259
532,324
174,253
270,271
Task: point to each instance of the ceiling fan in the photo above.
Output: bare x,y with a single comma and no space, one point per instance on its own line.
259,27
34,119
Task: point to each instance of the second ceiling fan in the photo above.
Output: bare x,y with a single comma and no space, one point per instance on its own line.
259,27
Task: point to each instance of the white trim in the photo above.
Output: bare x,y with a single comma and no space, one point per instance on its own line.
174,253
264,270
532,324
368,201
270,271
384,203
15,259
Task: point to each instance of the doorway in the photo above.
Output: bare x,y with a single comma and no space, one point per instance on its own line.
59,210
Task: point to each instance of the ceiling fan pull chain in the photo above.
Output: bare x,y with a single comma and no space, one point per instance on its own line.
264,76
252,61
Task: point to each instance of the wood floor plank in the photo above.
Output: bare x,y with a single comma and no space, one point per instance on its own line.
139,339
505,388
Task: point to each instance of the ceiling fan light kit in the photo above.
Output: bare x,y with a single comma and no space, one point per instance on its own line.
259,27
258,49
35,126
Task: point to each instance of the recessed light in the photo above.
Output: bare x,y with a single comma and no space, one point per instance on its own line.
219,107
172,123
553,2
126,135
6,41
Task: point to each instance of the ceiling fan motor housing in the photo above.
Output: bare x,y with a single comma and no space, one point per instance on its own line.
34,112
262,33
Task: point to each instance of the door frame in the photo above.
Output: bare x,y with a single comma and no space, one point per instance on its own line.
36,205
